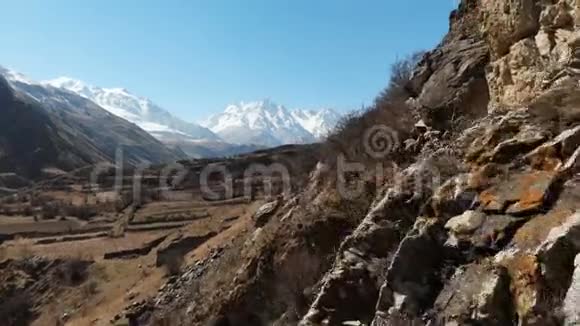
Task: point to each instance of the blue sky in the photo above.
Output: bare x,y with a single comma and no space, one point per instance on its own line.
195,57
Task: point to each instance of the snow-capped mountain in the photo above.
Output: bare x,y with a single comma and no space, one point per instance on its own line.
240,127
63,131
269,124
318,123
139,110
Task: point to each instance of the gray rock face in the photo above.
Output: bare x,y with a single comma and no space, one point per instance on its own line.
522,193
450,80
477,294
350,290
406,290
263,214
480,231
466,223
572,301
532,46
438,76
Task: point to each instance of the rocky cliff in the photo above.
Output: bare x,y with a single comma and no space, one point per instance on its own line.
479,226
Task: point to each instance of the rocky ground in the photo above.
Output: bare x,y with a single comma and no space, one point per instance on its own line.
480,226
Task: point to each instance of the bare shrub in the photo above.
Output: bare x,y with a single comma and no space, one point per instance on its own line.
173,264
89,288
401,73
72,272
389,109
16,310
49,211
83,212
117,231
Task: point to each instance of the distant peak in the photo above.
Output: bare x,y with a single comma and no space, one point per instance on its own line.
14,76
118,90
67,83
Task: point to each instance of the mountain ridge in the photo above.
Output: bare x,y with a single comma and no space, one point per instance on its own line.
238,129
137,109
270,124
46,128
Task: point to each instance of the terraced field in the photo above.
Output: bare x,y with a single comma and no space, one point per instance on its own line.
128,246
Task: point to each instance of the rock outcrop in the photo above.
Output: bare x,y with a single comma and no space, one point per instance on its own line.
572,301
450,80
533,47
479,226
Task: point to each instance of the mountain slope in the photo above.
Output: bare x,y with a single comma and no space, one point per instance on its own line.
29,141
139,110
269,124
318,123
44,127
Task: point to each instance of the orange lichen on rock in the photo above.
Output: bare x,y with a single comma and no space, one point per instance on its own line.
525,283
525,192
534,232
546,159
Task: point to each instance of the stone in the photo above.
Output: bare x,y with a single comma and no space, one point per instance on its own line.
454,197
131,295
571,307
421,125
495,232
481,231
528,138
561,147
522,193
467,222
477,294
533,48
571,165
263,214
543,43
506,22
411,281
452,82
538,262
501,138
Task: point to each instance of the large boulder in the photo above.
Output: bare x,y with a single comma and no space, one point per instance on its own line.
477,294
480,231
533,47
264,213
449,81
522,193
412,283
540,263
